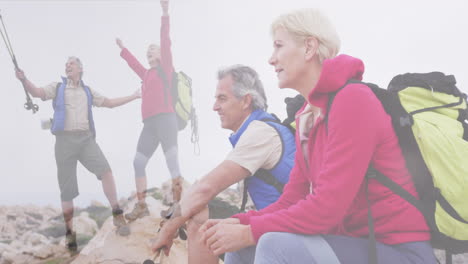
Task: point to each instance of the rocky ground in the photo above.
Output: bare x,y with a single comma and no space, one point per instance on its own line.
35,235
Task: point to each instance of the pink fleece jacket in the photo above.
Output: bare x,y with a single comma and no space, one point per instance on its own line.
326,194
154,98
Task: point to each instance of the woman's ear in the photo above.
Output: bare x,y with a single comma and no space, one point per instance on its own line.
311,45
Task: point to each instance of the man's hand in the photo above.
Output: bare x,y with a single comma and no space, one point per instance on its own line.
165,7
228,237
119,43
167,233
20,75
165,238
137,94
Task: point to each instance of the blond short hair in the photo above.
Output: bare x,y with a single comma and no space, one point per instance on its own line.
311,22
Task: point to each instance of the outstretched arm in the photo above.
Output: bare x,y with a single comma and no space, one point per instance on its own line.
166,53
118,101
30,87
136,66
165,7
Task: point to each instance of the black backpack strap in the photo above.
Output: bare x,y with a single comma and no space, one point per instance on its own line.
447,207
372,256
244,196
269,179
264,174
331,98
163,76
394,187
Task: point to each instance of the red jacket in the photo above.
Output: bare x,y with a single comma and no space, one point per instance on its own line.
326,195
153,100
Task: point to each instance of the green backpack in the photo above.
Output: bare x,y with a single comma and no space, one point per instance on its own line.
430,117
181,94
181,91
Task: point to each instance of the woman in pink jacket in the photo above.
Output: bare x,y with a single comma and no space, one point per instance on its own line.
322,215
159,117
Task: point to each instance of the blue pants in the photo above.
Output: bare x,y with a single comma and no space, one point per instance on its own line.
276,248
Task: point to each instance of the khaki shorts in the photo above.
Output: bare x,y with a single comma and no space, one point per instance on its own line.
71,147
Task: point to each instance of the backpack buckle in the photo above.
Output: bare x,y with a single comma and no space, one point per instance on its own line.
371,173
406,120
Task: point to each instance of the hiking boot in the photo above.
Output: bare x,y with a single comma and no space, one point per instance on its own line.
140,210
177,189
70,242
119,221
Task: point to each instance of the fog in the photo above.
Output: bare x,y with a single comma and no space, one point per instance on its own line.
391,37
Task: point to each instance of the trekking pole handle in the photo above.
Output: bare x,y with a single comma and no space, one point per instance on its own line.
29,105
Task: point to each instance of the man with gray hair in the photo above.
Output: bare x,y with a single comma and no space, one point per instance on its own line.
262,156
75,134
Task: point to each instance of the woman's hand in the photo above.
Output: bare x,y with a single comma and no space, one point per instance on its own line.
222,236
119,43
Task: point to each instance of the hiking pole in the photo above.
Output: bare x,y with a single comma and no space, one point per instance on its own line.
158,254
29,105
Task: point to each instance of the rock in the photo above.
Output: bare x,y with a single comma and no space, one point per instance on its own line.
166,191
44,242
108,247
35,216
98,213
84,225
9,256
456,259
55,230
18,259
43,251
33,239
31,222
16,244
5,248
96,204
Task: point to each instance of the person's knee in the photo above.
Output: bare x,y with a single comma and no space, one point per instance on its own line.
272,246
196,222
269,241
139,164
69,193
106,175
172,161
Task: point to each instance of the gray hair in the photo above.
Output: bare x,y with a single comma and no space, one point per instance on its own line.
80,64
246,81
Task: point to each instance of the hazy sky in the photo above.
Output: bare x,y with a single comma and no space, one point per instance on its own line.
390,36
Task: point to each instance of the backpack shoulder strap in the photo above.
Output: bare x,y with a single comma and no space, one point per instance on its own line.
54,101
331,98
264,174
269,179
244,196
163,76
